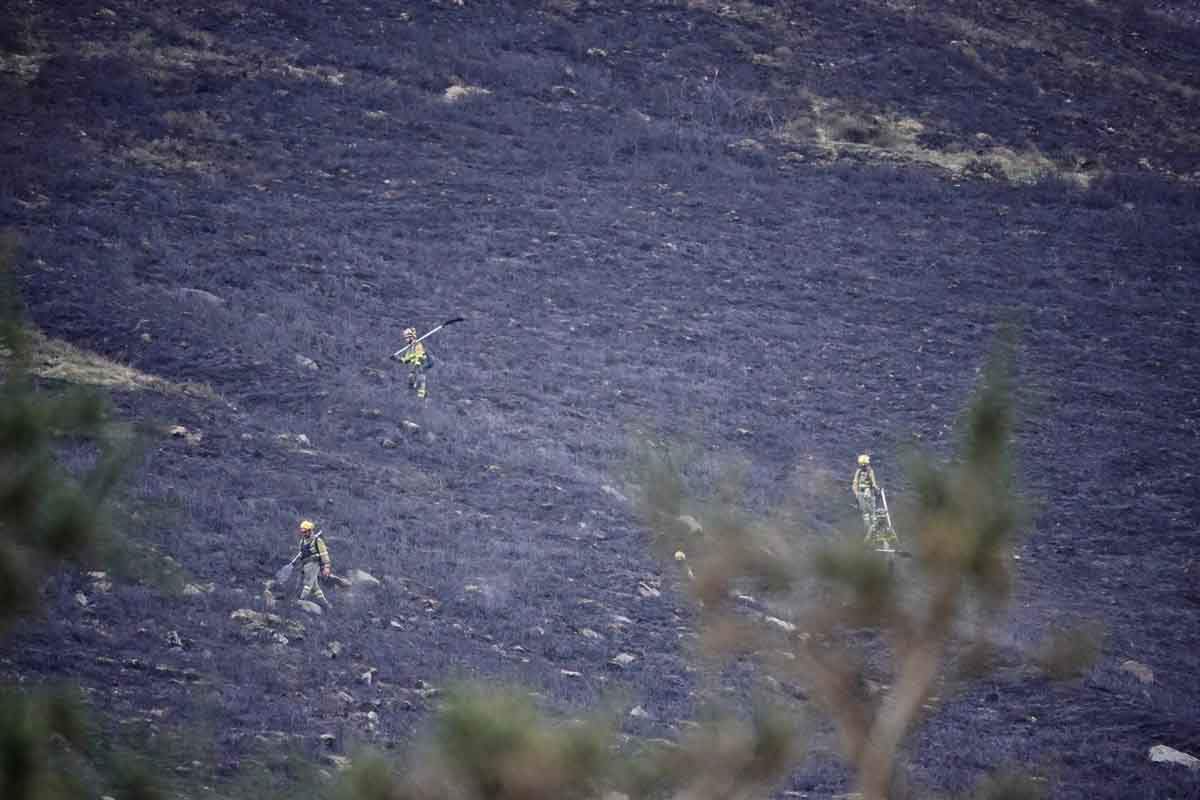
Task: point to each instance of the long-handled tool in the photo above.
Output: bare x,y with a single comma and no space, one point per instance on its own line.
888,515
285,571
408,346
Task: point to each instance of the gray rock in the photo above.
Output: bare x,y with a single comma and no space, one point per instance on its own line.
612,492
622,660
1138,670
309,607
304,362
1162,754
340,763
298,439
691,523
359,578
265,623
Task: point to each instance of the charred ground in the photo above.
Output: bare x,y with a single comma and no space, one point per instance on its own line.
790,230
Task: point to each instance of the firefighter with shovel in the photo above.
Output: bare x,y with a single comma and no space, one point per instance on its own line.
417,359
415,356
314,562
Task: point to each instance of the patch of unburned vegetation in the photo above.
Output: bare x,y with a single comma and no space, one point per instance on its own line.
58,360
840,130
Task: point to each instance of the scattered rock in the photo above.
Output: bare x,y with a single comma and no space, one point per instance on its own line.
333,649
588,633
180,432
368,677
691,523
388,443
648,591
328,739
81,600
458,92
609,490
640,713
304,362
622,660
570,673
746,145
100,582
279,638
1138,670
265,624
1169,755
298,439
194,590
340,763
174,640
782,624
409,425
358,577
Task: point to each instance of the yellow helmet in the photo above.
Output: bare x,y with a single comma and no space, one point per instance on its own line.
864,460
410,333
306,525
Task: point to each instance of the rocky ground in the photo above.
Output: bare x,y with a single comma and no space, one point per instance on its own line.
790,231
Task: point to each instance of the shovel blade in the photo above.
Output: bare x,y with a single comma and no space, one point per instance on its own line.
283,574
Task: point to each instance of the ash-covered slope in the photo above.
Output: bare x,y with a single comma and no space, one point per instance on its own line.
791,230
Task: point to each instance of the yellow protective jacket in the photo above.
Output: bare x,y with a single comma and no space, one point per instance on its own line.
864,480
414,355
312,548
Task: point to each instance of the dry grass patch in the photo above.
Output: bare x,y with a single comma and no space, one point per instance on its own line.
59,360
168,154
23,68
1113,74
840,130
